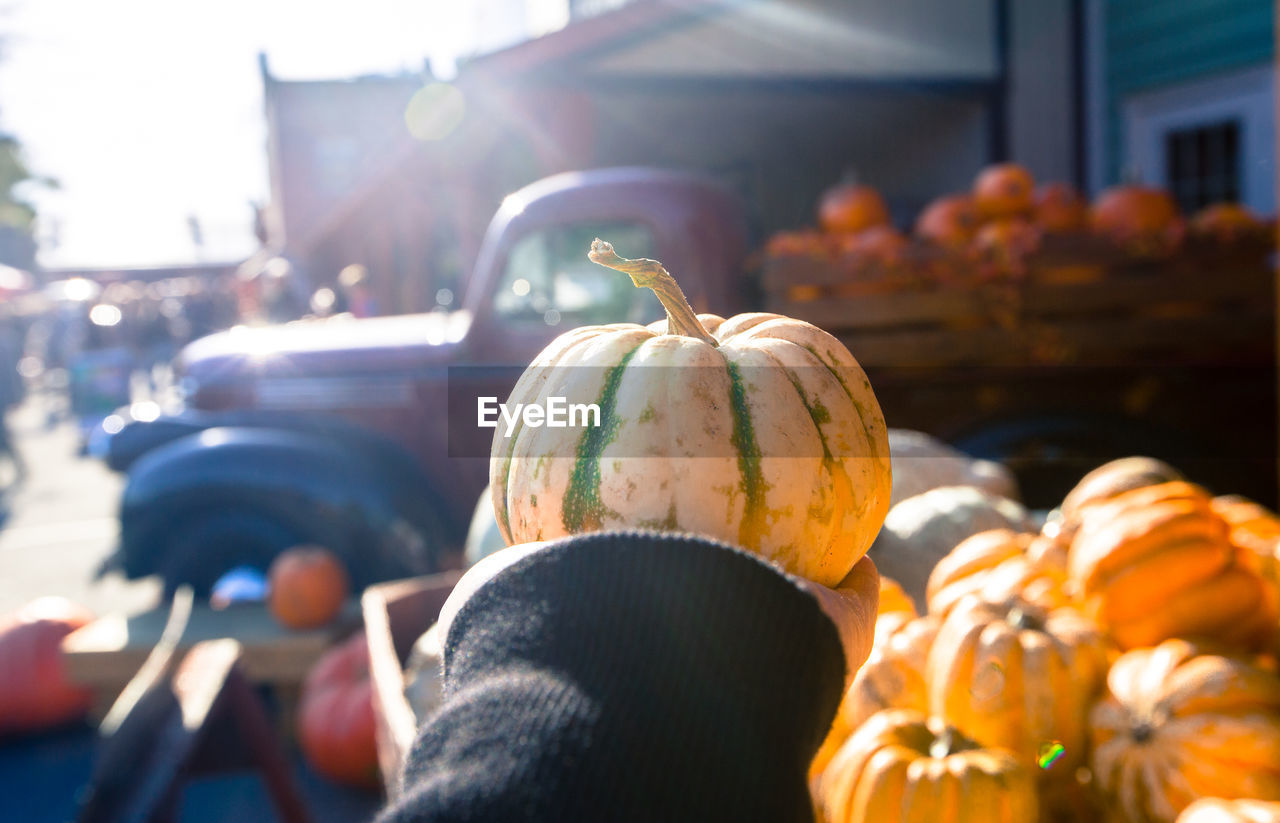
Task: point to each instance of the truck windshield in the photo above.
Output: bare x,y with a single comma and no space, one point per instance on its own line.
549,280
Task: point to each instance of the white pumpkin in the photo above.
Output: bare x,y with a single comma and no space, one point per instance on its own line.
922,462
759,430
921,530
483,535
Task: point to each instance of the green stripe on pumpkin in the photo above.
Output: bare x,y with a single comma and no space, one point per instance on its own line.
582,510
841,486
869,425
744,441
503,511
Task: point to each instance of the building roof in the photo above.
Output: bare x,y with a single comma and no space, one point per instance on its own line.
809,40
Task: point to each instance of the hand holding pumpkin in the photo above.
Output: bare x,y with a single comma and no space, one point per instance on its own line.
851,605
757,430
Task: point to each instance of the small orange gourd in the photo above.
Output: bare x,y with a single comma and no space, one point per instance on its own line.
1003,190
308,586
849,208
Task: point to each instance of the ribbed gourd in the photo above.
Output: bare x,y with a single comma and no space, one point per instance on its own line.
759,430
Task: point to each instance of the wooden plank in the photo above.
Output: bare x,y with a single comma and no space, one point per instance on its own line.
1229,339
1056,252
108,652
785,271
1035,300
882,310
1136,292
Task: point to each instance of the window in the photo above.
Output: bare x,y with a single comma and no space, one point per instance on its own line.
549,280
1206,139
1203,164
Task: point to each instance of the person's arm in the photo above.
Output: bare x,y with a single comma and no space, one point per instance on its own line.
632,677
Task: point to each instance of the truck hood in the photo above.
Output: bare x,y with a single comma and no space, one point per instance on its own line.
325,346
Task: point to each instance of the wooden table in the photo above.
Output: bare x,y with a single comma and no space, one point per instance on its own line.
107,653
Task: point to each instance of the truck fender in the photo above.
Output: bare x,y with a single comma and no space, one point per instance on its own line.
309,488
121,449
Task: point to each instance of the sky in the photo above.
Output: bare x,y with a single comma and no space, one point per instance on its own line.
148,112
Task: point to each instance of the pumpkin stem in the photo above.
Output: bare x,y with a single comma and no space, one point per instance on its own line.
650,274
944,745
1021,619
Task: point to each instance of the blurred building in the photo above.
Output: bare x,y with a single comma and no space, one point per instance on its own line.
780,100
1182,95
324,139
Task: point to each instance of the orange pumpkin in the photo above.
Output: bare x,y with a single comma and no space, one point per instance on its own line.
1177,724
1141,219
893,598
850,208
1049,550
892,678
900,766
888,624
894,610
1002,246
1226,223
1253,527
961,570
1217,810
1256,521
308,586
1015,676
950,222
996,565
1060,209
335,716
34,691
1105,482
1156,562
1115,477
879,245
1255,533
1003,190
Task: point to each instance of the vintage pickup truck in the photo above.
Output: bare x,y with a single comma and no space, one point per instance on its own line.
354,434
338,431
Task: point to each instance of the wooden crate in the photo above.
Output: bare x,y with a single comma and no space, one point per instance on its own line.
395,616
1079,302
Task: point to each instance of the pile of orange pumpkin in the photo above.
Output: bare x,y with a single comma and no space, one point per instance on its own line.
989,232
854,233
1120,665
